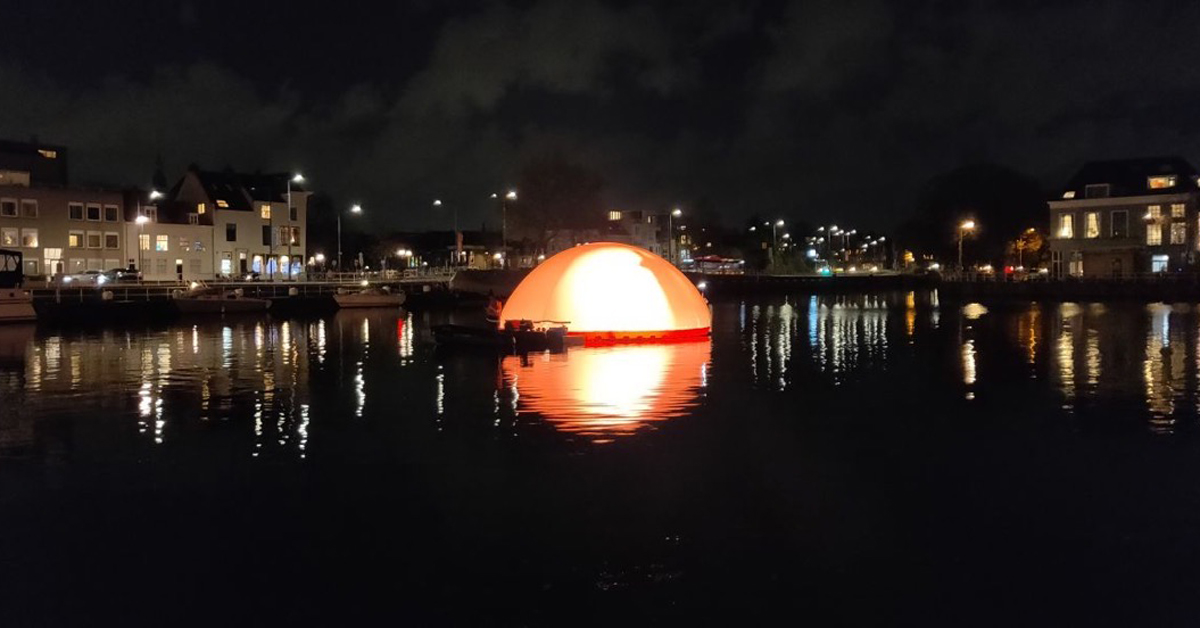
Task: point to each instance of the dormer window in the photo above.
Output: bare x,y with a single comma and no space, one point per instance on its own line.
614,215
1161,182
200,208
1096,190
222,204
1069,194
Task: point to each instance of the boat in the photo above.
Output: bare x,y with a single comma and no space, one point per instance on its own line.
16,305
204,300
517,338
370,297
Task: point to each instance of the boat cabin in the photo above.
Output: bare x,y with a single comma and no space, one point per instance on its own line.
11,274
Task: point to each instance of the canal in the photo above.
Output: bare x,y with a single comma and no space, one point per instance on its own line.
884,458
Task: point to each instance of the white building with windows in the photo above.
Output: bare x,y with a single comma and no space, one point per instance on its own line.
1123,217
258,221
168,243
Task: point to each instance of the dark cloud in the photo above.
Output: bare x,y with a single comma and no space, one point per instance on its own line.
809,109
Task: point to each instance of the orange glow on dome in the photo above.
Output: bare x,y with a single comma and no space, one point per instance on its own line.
611,291
603,393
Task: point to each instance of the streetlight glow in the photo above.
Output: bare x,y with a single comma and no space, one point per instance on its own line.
141,220
356,209
298,178
437,202
155,195
512,195
968,225
779,223
677,212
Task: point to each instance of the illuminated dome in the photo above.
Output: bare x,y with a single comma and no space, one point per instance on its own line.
611,291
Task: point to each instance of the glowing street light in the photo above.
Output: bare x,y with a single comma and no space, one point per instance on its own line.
141,223
295,178
963,228
354,209
155,195
675,213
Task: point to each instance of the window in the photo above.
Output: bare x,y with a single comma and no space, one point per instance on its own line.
75,211
8,208
9,236
75,240
265,211
294,236
47,153
1069,194
1096,190
1178,233
112,240
151,213
1160,182
1066,226
29,208
1178,210
144,241
194,266
199,245
266,235
292,214
226,266
231,232
1158,263
193,219
1120,223
160,266
93,239
1153,234
1091,225
614,215
1153,212
161,243
1075,266
93,212
200,208
222,204
29,238
110,213
185,244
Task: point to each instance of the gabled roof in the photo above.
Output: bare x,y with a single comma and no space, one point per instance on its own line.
1130,177
239,190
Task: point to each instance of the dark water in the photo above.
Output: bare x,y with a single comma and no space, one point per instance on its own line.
869,460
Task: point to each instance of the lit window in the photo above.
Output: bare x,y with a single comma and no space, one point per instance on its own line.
29,238
111,240
8,208
222,204
161,243
1066,226
1075,265
200,208
144,241
1178,210
75,211
1154,212
1153,235
110,213
1178,233
1069,194
75,240
1161,182
48,154
1158,263
93,239
614,215
265,211
9,236
29,208
93,212
1091,225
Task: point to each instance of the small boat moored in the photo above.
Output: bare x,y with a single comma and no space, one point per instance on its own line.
370,297
205,300
16,305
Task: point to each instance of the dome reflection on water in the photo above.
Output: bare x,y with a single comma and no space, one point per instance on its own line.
603,393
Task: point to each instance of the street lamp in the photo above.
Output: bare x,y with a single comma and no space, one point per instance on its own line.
141,221
963,228
354,209
155,195
675,213
296,178
511,195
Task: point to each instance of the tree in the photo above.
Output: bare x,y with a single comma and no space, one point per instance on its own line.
1027,246
556,194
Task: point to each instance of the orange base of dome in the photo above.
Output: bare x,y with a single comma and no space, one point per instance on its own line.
600,338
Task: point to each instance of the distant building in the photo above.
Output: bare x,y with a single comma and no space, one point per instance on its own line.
170,244
254,229
1115,218
33,164
638,228
58,228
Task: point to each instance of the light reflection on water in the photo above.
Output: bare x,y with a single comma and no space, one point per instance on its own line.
271,388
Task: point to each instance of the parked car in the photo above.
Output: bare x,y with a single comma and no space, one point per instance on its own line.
86,278
124,274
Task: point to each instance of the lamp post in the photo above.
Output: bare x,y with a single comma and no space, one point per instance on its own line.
963,228
675,213
141,221
511,195
297,178
354,209
438,203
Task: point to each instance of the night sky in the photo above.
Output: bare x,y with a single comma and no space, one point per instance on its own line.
815,110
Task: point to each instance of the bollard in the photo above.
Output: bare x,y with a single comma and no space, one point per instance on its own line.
293,292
